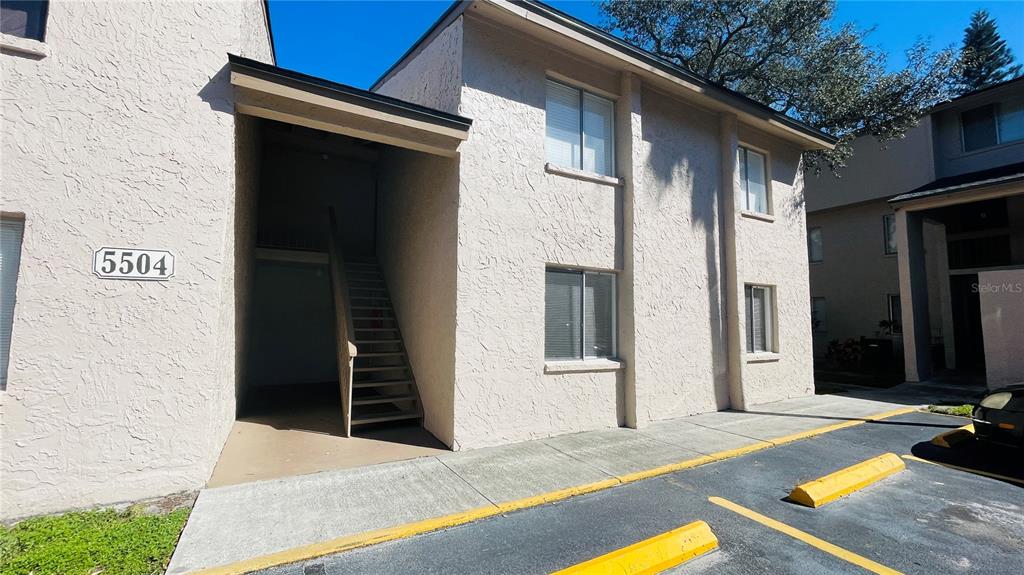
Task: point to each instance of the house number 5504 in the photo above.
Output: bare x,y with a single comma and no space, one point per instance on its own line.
133,264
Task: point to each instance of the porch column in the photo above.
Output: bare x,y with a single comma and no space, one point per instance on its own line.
628,133
913,295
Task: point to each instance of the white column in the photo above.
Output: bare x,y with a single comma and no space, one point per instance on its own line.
628,134
729,141
913,295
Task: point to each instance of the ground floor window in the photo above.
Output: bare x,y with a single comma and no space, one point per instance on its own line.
760,318
818,314
579,315
11,232
895,314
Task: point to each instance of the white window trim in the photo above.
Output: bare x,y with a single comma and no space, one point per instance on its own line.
771,332
767,216
593,363
581,175
583,89
26,46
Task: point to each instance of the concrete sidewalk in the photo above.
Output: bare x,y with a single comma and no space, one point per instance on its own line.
238,522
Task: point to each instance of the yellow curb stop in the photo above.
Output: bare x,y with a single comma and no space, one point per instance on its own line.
954,437
845,481
652,555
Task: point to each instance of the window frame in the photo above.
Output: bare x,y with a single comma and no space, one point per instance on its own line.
19,219
766,155
583,273
821,244
997,113
582,93
770,319
44,20
893,322
823,327
885,235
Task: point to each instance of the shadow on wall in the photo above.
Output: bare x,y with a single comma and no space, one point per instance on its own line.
217,93
700,179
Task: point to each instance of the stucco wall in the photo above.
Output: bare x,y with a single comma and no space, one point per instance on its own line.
433,76
875,171
514,219
1002,314
417,248
123,136
680,335
775,253
855,274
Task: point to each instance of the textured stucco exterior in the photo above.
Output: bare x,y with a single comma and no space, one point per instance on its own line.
1002,315
416,249
122,136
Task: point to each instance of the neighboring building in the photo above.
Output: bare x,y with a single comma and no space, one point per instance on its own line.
574,235
917,233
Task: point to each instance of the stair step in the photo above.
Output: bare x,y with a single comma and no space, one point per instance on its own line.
381,383
376,329
379,368
372,307
382,418
372,341
383,399
381,354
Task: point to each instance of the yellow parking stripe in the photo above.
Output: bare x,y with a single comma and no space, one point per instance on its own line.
651,556
807,538
967,469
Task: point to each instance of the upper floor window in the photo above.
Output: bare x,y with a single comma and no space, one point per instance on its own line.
579,129
992,124
889,233
579,315
24,18
814,247
753,180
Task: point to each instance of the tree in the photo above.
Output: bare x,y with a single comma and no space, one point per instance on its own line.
784,54
985,58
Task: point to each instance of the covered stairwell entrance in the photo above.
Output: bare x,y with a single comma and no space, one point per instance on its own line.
330,226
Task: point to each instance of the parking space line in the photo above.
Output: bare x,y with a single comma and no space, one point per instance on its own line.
807,538
966,469
651,556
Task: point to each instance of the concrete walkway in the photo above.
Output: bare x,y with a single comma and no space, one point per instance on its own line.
238,522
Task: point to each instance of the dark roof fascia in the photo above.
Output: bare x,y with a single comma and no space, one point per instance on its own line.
729,97
927,191
959,99
453,11
270,30
349,94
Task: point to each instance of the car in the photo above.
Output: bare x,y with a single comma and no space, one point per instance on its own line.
999,416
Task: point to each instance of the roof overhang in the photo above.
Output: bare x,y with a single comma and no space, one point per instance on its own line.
995,182
274,93
577,37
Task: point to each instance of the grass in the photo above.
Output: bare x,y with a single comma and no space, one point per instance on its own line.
129,542
961,410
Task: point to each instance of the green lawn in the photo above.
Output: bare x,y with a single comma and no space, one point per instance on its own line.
117,543
961,410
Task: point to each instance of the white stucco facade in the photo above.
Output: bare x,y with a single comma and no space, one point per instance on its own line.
123,135
128,134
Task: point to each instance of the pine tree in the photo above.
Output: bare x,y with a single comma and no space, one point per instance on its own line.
985,58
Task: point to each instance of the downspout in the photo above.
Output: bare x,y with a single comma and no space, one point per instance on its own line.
627,135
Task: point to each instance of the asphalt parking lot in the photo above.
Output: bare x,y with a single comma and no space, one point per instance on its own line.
928,518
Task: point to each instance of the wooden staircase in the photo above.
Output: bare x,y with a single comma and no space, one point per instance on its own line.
383,387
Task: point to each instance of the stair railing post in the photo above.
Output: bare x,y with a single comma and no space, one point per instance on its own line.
344,328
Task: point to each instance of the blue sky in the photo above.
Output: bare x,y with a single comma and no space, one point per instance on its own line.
353,42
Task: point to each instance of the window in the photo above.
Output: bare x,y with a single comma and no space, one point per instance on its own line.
992,124
26,19
11,231
753,181
579,320
814,251
760,319
889,233
579,129
895,313
818,314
